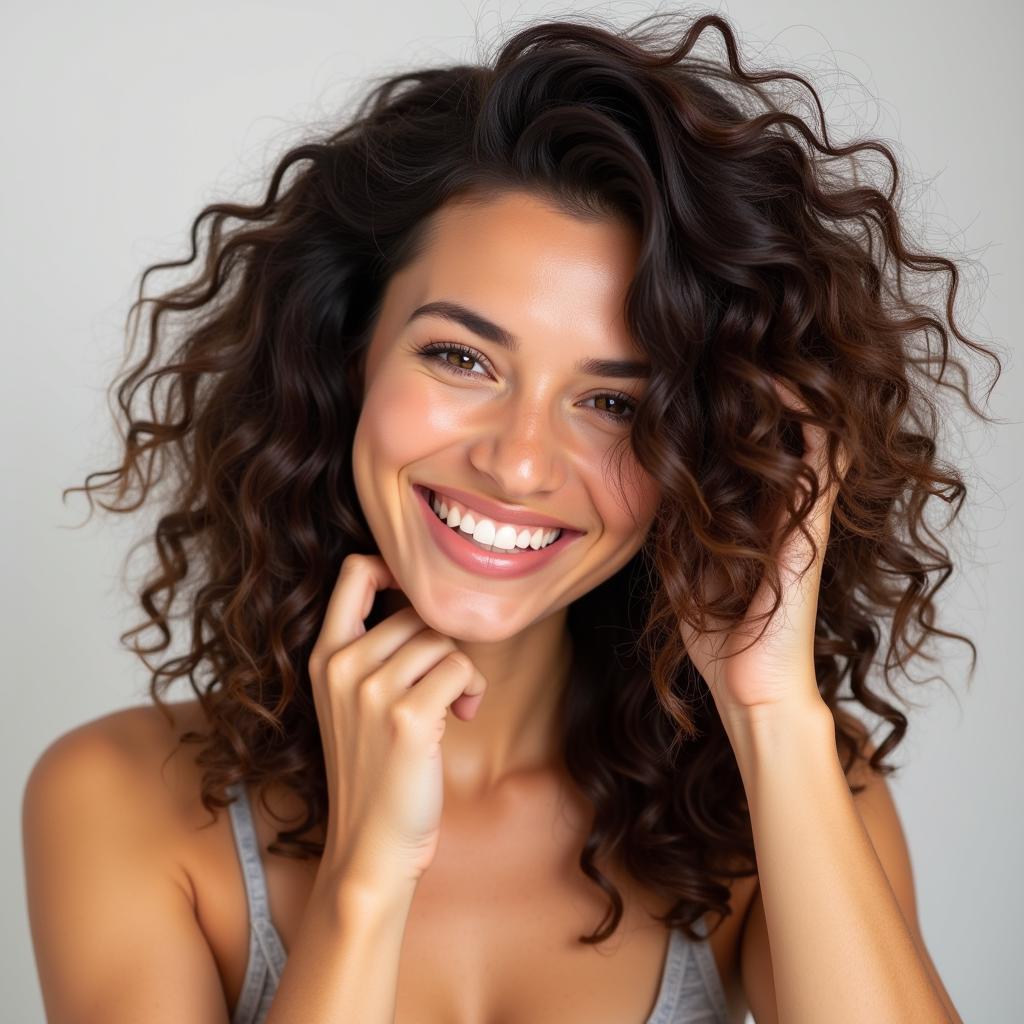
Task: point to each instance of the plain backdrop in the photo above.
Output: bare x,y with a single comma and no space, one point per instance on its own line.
120,120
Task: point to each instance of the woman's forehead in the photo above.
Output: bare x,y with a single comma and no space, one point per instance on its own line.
534,271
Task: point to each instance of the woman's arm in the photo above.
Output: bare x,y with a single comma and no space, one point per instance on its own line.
113,919
113,924
343,965
842,951
845,944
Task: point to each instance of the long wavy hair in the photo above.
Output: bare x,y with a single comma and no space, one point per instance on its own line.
763,253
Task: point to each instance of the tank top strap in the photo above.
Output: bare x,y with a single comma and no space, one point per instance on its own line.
247,845
704,958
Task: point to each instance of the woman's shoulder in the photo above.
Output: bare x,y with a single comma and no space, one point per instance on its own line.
114,846
127,762
141,735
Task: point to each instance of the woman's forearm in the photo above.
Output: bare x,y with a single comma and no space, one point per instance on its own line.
841,950
343,964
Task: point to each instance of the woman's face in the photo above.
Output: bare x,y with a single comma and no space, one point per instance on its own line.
523,431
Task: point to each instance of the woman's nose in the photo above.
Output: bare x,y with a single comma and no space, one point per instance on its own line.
520,448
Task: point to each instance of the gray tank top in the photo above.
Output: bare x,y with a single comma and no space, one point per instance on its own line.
691,990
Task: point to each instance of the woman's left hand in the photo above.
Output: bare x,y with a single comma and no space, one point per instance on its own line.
777,670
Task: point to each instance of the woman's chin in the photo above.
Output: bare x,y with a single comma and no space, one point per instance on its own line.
471,627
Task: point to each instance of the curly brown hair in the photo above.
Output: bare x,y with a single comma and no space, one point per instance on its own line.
760,257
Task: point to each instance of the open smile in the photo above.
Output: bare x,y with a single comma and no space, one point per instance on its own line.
485,548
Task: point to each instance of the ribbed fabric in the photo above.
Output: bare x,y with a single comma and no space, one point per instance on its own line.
690,992
266,951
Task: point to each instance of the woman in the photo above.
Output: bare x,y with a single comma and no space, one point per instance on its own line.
576,394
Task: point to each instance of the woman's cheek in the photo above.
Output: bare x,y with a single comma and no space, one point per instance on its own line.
407,418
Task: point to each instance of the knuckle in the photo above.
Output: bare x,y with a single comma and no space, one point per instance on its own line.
372,690
460,660
356,560
404,717
337,666
350,563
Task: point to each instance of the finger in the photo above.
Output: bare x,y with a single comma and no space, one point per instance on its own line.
454,682
359,579
377,645
815,437
412,660
797,551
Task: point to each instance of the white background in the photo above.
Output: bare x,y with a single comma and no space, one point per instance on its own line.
120,120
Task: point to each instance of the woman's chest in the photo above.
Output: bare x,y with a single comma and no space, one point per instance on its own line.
493,930
494,935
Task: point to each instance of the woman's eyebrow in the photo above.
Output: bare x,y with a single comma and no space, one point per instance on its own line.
490,331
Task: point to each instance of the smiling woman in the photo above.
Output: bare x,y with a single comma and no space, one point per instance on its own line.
527,395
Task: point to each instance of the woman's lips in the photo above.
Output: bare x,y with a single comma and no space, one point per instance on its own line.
494,511
467,555
536,536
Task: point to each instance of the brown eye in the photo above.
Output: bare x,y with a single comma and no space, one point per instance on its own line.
617,408
614,405
459,359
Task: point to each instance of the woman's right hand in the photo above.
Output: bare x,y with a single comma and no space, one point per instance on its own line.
381,699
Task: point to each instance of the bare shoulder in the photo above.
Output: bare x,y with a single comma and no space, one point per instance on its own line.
110,906
141,731
132,756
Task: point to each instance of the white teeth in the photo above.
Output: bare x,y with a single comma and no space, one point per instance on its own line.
505,538
489,536
484,532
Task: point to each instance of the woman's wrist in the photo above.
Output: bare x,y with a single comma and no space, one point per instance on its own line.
759,737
